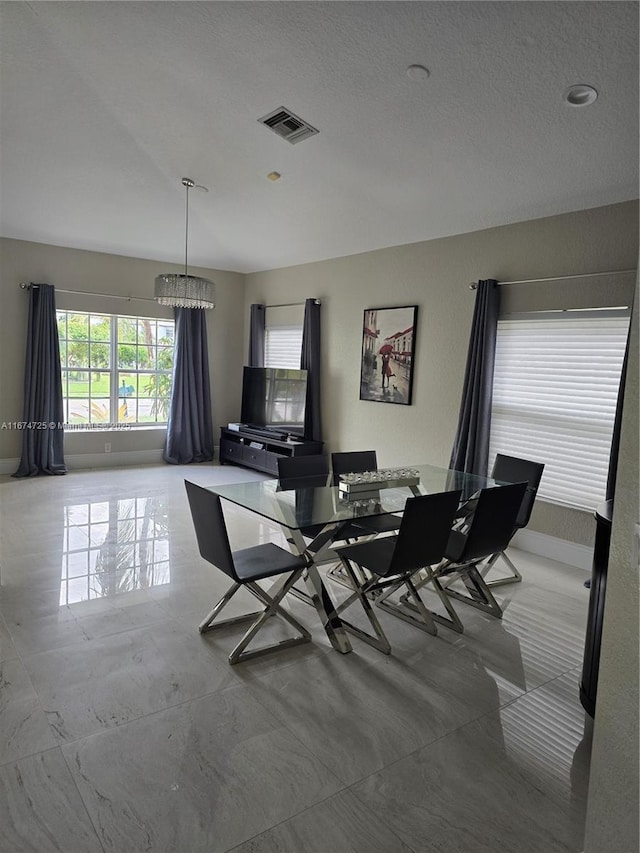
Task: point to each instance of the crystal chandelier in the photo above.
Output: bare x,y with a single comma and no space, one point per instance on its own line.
185,291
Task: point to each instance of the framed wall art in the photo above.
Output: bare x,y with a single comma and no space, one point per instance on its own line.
388,344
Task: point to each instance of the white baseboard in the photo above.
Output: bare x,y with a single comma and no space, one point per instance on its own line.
77,461
9,466
580,556
127,458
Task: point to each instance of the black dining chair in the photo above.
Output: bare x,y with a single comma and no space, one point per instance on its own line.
392,561
356,462
245,567
303,472
511,469
488,533
292,468
353,461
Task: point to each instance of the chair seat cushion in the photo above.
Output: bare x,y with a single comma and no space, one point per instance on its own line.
312,531
351,531
379,524
265,561
375,555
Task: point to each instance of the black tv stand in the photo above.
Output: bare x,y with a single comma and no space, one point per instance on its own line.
259,448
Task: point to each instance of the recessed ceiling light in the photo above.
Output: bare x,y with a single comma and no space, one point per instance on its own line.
580,95
417,72
274,176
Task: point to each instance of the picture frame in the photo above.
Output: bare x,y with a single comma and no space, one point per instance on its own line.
387,357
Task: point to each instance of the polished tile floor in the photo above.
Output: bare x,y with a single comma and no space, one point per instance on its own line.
122,730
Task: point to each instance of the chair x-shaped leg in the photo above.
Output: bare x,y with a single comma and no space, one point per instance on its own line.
478,593
379,589
272,601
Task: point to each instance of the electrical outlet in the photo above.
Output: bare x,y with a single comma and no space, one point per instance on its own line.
107,447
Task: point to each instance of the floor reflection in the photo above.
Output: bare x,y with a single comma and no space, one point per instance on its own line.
114,546
548,736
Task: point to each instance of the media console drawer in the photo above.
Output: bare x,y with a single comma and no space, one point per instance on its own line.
231,450
256,457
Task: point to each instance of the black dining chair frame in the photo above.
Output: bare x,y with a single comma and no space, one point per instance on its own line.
245,567
511,469
392,561
490,529
357,461
292,468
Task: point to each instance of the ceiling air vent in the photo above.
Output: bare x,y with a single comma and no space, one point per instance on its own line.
287,125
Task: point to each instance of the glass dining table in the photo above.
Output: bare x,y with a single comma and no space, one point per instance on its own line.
316,502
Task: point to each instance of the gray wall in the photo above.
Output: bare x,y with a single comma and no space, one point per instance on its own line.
435,276
75,269
612,817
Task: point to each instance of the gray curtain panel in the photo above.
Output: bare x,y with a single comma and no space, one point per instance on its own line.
190,428
43,411
471,445
310,361
256,336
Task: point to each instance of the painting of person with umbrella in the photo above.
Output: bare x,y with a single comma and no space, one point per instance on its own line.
386,351
388,338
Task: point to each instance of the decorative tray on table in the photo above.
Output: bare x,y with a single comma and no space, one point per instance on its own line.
368,483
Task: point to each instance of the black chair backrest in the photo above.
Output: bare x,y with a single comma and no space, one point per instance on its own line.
511,469
294,467
493,521
211,530
353,461
424,531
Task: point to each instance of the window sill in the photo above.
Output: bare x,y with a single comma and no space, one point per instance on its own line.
85,428
556,502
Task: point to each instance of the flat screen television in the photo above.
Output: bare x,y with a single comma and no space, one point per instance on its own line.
274,398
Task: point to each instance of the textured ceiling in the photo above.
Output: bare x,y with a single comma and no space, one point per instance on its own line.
106,105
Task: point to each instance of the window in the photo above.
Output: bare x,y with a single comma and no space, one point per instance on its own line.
115,370
554,398
283,335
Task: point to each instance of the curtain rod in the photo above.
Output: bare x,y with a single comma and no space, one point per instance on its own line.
25,286
473,285
291,304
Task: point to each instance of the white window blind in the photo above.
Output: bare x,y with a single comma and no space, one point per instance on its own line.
282,346
554,399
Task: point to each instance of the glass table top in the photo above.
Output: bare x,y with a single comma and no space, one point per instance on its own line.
312,500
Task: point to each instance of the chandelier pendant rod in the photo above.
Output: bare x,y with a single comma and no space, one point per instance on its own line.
188,184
